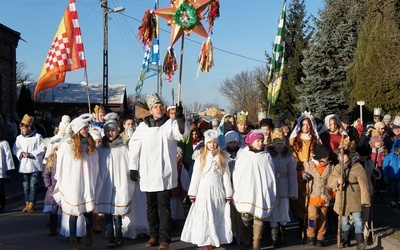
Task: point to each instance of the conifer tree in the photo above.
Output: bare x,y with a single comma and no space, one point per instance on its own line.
375,76
329,58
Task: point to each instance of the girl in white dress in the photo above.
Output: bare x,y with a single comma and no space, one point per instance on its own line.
208,223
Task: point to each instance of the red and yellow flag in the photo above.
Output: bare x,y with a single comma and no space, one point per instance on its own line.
66,52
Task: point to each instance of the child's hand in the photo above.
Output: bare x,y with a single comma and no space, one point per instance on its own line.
340,181
192,198
229,199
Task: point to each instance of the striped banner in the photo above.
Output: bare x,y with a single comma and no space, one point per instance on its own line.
276,67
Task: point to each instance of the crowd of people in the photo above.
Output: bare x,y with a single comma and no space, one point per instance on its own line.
132,178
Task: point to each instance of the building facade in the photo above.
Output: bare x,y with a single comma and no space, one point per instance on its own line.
8,68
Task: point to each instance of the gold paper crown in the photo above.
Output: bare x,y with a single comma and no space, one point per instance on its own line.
277,136
98,109
152,99
27,120
375,132
241,117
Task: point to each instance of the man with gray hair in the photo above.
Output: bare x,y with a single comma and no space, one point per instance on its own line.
153,149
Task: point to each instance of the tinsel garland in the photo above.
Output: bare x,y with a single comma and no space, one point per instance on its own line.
170,64
213,13
185,16
148,28
206,57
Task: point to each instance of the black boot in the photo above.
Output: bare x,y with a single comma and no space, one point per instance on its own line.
346,239
282,234
360,241
53,224
111,240
119,237
311,241
275,237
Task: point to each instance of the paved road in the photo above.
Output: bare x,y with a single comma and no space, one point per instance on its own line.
29,231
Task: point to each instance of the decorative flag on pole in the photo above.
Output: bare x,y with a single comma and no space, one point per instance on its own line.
66,52
276,68
149,65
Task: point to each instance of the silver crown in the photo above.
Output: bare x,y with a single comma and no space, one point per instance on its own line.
262,115
396,121
152,99
377,111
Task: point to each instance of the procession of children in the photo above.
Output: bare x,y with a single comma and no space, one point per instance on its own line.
132,180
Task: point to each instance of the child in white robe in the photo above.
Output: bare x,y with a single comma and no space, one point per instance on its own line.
255,186
208,222
76,175
113,188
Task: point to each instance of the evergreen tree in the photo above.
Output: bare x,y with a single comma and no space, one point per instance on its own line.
329,58
25,104
297,35
375,77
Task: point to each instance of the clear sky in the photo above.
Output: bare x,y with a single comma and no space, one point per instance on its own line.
242,34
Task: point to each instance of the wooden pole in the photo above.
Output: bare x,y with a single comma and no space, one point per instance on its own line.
341,194
180,70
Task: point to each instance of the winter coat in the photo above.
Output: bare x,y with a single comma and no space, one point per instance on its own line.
319,188
6,159
355,190
391,163
285,172
50,183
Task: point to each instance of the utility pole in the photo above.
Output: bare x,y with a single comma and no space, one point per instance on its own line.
104,5
172,92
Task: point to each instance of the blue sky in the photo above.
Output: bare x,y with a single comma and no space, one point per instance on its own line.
242,34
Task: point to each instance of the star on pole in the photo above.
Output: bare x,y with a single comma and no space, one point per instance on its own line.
185,16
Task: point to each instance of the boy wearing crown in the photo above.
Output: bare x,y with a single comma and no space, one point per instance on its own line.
29,149
241,123
153,152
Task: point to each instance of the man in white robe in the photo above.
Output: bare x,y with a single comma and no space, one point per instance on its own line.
152,162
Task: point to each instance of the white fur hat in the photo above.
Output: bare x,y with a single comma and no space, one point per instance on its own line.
65,120
210,135
95,133
111,122
80,122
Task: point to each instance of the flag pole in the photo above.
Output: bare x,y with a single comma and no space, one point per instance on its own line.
87,88
180,70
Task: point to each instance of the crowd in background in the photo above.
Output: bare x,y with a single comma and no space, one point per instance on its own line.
132,177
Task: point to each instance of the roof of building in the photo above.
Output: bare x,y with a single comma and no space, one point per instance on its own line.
77,93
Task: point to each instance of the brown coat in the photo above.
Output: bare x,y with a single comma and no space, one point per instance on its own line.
355,190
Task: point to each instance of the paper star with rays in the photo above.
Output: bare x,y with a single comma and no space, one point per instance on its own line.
185,16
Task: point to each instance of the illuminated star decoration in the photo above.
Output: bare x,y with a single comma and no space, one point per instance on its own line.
185,16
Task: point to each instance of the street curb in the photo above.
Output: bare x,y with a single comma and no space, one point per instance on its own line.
389,244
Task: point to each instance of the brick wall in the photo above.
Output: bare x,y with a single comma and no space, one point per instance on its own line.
8,61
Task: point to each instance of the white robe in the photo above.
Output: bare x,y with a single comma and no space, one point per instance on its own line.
152,151
254,183
135,223
76,180
6,159
114,189
208,221
33,145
